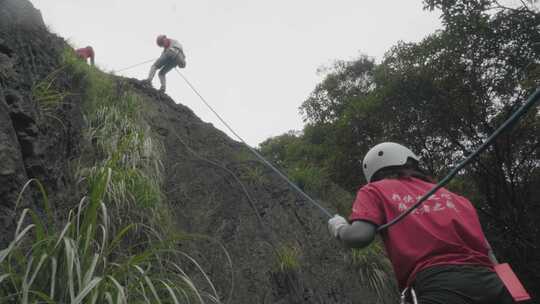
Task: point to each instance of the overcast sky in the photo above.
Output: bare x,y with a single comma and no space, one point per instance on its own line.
254,61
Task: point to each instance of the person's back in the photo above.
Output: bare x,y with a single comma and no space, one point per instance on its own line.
175,44
444,231
86,53
439,250
177,48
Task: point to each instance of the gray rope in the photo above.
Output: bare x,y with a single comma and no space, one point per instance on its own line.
134,66
257,154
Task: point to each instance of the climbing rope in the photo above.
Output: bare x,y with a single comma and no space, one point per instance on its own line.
514,118
507,124
257,154
135,65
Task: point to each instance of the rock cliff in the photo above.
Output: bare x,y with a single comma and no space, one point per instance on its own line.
213,185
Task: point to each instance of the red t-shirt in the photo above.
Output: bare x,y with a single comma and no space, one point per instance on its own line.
444,230
85,53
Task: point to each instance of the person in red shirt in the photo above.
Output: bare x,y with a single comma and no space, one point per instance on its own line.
439,251
86,53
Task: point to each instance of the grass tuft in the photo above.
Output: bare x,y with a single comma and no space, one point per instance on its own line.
288,258
47,97
375,271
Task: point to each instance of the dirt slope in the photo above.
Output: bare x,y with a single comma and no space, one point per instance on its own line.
216,186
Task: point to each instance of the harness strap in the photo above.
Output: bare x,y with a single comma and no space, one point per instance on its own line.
408,294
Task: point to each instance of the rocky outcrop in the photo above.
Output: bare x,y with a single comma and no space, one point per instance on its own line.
12,171
33,143
19,13
216,187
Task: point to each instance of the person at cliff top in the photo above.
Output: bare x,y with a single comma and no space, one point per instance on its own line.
439,252
86,53
171,57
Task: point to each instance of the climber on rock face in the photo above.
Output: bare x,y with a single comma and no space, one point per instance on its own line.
439,252
86,53
171,57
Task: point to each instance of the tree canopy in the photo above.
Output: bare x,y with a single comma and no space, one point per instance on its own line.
441,97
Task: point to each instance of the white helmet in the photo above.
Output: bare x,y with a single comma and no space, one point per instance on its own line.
387,154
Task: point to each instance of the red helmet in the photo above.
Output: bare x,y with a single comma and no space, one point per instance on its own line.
161,40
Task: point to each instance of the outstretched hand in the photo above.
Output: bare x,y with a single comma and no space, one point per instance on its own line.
335,224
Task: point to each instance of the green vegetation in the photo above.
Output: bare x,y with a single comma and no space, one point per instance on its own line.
122,141
375,271
254,173
304,164
86,260
288,258
442,97
117,137
47,96
299,159
117,244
